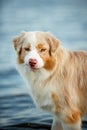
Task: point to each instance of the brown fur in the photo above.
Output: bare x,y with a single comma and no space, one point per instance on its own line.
73,117
56,102
73,73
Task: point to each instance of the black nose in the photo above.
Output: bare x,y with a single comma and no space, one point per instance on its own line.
32,62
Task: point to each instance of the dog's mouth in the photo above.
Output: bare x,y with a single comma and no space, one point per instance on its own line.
34,68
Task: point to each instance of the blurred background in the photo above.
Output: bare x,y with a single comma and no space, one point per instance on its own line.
66,19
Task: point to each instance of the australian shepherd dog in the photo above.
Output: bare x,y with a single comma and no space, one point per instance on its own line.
57,78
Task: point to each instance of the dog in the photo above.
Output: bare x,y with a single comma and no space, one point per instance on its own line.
57,78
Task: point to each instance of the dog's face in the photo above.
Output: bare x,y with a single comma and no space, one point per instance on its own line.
36,49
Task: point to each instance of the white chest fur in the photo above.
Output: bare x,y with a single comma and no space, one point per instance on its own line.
38,88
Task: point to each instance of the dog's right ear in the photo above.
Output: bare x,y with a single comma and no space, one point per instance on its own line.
17,40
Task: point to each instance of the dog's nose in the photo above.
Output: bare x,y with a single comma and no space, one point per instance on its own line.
32,62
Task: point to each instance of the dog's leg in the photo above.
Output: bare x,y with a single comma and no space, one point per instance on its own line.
75,126
56,124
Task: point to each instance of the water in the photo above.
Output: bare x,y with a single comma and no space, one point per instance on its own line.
67,20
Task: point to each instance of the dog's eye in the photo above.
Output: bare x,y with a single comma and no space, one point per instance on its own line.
43,50
27,49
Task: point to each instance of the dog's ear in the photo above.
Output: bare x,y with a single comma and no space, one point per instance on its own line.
52,41
15,42
18,40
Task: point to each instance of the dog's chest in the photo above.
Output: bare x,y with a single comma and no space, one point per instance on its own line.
43,97
39,89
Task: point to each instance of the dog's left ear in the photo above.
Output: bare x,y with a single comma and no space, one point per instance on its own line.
52,41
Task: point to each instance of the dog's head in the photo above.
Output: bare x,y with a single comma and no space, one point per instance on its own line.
36,49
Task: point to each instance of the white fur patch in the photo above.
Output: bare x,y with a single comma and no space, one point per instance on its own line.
32,39
34,55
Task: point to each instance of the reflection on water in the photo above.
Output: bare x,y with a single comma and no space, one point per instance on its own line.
67,20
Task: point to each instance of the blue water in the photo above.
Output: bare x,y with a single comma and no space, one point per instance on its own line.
66,19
